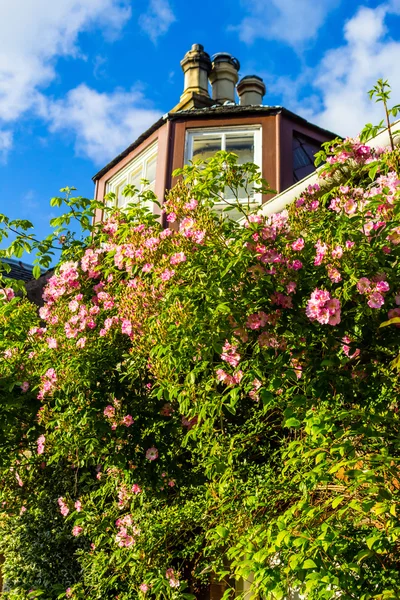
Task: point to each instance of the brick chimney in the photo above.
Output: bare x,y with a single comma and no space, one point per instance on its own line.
196,66
223,77
251,90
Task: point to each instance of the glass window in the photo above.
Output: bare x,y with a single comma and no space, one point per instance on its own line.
304,150
150,173
242,145
141,167
202,144
205,147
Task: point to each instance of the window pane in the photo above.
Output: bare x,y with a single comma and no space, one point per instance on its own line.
151,172
304,150
136,176
121,200
205,147
242,145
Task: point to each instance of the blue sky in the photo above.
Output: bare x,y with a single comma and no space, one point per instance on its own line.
81,79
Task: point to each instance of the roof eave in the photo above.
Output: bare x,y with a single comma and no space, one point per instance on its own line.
129,149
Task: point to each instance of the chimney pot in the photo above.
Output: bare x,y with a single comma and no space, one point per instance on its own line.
251,90
223,77
196,65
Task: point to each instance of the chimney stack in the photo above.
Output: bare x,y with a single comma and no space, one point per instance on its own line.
251,90
223,77
196,65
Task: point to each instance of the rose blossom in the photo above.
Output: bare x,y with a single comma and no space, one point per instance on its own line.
298,244
152,453
40,444
127,420
109,411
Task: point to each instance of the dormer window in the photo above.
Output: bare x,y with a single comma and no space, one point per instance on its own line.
141,167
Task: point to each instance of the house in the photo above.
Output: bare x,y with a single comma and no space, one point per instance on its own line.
231,118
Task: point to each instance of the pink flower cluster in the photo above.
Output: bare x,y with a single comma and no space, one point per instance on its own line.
346,347
90,262
167,274
127,532
230,354
64,510
40,444
177,258
62,283
298,245
124,494
322,249
257,320
77,530
390,183
172,577
7,294
229,380
188,228
374,290
110,413
254,395
49,380
333,273
323,308
358,152
308,200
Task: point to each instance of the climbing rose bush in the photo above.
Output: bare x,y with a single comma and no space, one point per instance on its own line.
223,395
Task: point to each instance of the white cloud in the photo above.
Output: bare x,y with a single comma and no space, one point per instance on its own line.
290,21
339,100
158,19
33,34
5,144
102,124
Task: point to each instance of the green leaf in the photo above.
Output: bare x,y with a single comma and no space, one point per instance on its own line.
390,322
36,271
309,564
371,541
292,422
372,171
337,501
222,531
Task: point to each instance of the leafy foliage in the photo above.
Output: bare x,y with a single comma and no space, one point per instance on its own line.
218,400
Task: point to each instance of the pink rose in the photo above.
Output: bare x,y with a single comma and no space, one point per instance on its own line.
152,453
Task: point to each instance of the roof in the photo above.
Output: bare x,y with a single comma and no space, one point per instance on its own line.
19,270
225,110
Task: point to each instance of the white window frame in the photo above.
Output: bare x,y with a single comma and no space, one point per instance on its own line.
221,133
125,175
